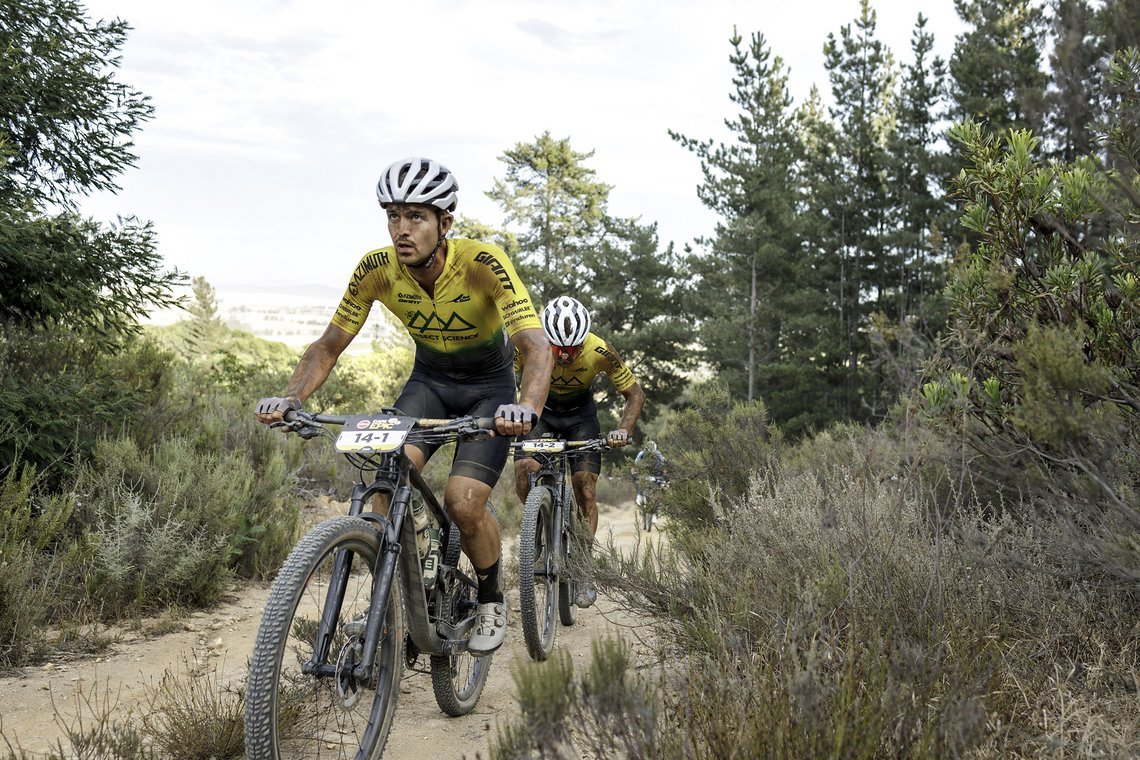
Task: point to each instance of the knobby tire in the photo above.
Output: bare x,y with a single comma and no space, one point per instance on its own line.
292,715
568,587
538,587
457,680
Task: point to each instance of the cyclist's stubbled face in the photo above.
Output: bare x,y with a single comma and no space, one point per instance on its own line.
416,230
565,355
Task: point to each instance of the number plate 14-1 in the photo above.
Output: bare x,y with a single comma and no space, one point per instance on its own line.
369,433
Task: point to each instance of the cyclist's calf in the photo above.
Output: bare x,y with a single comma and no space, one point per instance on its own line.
466,500
585,493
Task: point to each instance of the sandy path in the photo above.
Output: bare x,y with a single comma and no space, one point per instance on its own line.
219,641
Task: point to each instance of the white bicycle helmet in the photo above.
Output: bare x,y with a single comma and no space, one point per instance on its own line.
418,180
566,321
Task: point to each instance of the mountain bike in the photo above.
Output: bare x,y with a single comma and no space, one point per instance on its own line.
546,544
360,597
647,500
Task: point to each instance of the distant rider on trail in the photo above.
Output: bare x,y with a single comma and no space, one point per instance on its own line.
570,412
648,470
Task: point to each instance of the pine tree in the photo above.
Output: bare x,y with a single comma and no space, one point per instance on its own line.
996,66
636,292
554,198
751,183
1074,100
817,325
920,171
862,75
65,129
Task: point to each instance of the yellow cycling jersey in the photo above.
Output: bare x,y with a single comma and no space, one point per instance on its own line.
463,327
570,386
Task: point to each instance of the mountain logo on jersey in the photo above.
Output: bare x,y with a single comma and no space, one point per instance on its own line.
562,382
421,322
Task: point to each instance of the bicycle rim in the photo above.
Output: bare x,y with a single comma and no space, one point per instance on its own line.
538,574
290,714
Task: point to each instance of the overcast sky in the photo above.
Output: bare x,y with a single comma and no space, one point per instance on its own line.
274,118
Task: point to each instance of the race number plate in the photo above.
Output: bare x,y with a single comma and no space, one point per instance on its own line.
373,434
544,445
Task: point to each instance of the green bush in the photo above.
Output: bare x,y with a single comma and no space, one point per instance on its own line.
34,549
712,450
60,395
841,608
1036,390
603,713
171,524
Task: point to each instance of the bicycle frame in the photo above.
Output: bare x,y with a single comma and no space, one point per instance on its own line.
395,476
554,473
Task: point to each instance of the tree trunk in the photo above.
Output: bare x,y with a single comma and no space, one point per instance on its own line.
752,336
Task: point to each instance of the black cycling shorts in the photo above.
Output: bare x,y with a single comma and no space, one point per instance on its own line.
578,424
435,395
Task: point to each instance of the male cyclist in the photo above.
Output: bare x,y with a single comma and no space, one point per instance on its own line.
465,308
570,412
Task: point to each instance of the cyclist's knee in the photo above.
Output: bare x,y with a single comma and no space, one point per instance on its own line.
467,502
523,469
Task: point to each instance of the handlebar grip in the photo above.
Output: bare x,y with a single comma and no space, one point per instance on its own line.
485,423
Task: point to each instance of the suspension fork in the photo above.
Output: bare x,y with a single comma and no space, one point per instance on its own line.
383,574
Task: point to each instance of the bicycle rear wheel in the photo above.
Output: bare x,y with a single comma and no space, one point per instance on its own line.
538,586
291,714
458,679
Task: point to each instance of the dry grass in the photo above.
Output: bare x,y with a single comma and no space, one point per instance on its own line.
840,607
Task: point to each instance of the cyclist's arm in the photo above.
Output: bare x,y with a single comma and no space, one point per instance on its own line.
634,401
537,364
317,363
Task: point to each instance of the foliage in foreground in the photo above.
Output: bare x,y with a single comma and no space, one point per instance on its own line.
844,605
1037,389
189,715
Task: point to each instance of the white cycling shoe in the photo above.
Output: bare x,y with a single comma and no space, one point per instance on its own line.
490,628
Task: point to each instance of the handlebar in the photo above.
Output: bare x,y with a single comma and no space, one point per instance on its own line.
300,421
591,444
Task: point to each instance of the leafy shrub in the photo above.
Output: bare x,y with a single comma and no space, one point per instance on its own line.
605,712
1038,383
713,447
829,612
61,396
32,531
192,714
170,524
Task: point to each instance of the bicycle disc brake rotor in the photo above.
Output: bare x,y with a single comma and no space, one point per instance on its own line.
347,685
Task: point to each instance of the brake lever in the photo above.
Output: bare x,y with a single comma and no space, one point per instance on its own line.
306,430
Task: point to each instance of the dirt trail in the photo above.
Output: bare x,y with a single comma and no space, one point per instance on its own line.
37,705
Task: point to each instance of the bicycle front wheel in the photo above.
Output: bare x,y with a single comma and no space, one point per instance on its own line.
568,587
538,573
294,712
